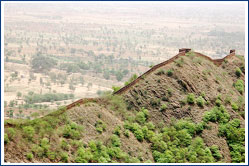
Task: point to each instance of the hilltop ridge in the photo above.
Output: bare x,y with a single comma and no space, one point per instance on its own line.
189,108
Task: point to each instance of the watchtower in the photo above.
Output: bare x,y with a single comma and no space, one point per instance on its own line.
232,51
185,50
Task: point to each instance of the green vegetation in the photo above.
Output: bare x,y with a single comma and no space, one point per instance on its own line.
235,138
160,72
100,126
29,156
117,130
6,138
239,85
190,54
47,97
11,133
200,101
218,102
191,98
115,88
155,102
179,62
217,114
215,151
127,133
41,63
234,106
133,77
163,107
29,132
115,141
170,72
230,129
238,72
72,130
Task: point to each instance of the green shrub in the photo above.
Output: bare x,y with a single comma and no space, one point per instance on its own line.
51,155
163,107
139,134
72,131
37,150
170,72
228,100
83,156
140,117
117,130
184,137
136,130
92,145
100,126
160,72
203,94
170,92
28,132
11,133
64,145
238,72
200,101
218,102
150,125
235,107
145,111
117,103
155,102
239,85
29,156
215,152
190,54
115,88
235,137
216,114
127,133
164,98
191,98
179,62
64,157
115,141
200,127
184,124
133,77
45,145
76,143
6,138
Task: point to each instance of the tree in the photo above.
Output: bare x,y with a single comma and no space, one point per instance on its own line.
106,75
19,94
62,82
41,81
12,103
71,86
82,81
41,63
11,113
89,85
5,104
119,75
14,75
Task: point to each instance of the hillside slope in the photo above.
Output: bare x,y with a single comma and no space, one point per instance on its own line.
188,109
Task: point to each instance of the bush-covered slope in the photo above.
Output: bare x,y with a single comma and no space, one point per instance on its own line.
190,110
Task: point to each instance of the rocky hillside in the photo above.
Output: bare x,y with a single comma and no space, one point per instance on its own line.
189,109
